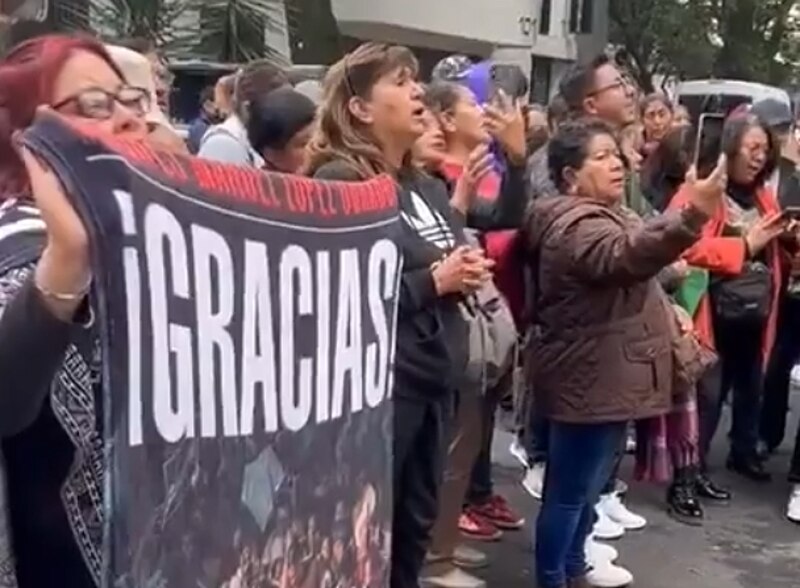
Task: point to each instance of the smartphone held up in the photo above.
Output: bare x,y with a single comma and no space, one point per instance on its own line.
708,143
791,213
508,79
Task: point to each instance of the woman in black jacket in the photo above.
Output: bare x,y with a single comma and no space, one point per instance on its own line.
371,116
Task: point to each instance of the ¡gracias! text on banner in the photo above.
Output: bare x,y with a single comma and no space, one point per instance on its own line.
228,373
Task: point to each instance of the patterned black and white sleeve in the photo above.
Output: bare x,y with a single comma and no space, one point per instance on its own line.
32,347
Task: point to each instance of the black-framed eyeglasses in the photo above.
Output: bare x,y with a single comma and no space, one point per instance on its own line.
99,104
620,83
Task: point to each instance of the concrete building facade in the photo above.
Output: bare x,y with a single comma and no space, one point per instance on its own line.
543,36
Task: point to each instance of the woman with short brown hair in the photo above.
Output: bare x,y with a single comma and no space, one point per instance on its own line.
601,347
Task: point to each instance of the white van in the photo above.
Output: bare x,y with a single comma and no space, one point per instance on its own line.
723,96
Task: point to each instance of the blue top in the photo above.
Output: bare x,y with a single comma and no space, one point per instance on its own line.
197,129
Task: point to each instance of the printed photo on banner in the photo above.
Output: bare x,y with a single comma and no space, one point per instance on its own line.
248,320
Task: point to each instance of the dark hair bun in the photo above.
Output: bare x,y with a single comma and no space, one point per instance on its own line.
277,117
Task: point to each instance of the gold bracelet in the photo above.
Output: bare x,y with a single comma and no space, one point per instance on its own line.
64,296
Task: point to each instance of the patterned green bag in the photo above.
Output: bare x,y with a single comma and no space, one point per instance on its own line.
692,290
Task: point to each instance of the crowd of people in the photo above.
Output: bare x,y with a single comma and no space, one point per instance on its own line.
589,258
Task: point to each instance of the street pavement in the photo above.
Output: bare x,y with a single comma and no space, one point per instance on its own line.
748,544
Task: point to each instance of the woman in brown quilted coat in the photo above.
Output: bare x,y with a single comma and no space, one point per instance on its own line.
600,349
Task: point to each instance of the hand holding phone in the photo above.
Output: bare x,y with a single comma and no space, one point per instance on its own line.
707,192
791,231
506,123
479,164
509,79
764,231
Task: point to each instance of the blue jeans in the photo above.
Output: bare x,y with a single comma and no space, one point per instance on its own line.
579,462
535,439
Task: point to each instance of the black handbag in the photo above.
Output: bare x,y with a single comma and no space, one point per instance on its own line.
746,297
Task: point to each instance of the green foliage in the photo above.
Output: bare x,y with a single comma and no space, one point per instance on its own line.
753,40
220,30
754,33
661,38
315,35
234,30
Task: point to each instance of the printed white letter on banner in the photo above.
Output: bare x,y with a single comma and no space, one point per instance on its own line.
349,350
258,341
382,278
212,259
296,287
166,255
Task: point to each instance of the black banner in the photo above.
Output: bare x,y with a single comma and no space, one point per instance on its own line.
247,324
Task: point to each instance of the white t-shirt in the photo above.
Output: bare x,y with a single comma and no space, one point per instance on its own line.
228,143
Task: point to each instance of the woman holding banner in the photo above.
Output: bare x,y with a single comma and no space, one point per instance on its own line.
47,355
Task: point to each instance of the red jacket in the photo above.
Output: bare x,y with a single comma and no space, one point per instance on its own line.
726,255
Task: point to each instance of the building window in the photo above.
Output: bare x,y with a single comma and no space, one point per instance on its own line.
541,75
574,13
544,17
581,13
587,15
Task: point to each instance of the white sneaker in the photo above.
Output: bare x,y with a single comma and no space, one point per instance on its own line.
453,579
612,505
599,553
609,576
630,444
533,482
518,451
468,558
793,509
605,528
795,376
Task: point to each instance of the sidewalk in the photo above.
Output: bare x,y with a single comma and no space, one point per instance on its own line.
746,545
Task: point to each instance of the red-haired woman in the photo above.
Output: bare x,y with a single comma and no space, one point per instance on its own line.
53,507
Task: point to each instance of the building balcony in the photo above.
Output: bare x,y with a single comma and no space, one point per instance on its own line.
470,26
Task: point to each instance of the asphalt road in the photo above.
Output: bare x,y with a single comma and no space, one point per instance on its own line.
748,544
